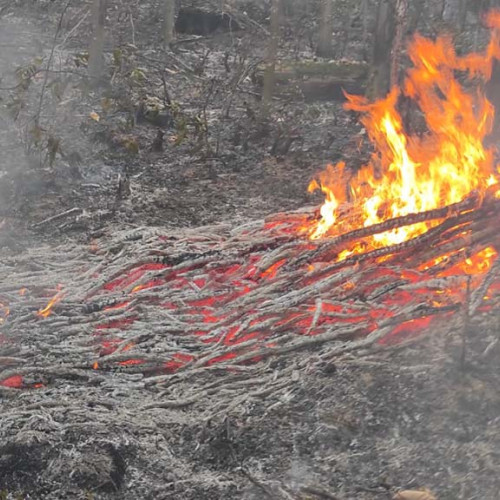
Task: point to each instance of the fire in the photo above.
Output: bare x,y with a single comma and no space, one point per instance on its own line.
415,173
479,263
393,294
47,310
4,312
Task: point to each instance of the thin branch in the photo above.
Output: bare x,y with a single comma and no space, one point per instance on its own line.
49,62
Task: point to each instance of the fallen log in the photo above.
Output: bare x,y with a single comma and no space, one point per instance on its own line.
317,80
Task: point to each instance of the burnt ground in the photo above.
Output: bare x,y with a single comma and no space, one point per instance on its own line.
243,168
357,428
360,428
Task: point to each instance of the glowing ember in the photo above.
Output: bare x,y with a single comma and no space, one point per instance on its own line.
4,312
481,262
118,305
410,173
272,270
135,274
15,382
131,362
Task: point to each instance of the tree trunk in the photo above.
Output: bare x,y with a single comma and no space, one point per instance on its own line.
365,12
168,23
481,6
96,50
492,89
398,43
436,8
379,80
325,29
415,11
272,51
463,15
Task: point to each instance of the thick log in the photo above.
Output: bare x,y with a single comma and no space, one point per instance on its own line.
317,80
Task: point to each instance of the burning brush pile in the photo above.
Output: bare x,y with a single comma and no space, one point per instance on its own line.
116,359
404,247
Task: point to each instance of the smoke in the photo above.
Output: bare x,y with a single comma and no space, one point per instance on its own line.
20,44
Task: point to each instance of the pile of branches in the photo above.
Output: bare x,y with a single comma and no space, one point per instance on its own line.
163,306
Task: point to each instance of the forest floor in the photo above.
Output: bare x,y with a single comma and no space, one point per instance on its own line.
359,429
245,169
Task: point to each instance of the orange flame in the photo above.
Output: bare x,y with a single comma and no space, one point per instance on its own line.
411,173
47,310
4,312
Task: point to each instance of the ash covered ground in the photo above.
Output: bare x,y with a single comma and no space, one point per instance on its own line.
407,418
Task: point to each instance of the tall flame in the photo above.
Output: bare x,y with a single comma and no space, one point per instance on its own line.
415,173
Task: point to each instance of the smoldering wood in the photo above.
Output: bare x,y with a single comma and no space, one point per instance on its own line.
294,297
158,327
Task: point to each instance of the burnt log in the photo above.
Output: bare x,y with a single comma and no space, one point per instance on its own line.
317,80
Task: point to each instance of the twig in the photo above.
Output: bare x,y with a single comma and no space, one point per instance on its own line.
480,292
77,25
181,403
263,486
49,62
466,322
67,213
319,492
327,245
131,17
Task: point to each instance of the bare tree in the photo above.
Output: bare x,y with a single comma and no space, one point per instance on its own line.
272,52
416,9
398,42
379,79
436,8
168,22
365,11
325,29
96,51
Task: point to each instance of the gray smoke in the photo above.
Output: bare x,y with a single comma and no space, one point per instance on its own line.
19,46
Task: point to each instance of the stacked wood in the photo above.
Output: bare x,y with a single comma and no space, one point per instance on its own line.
160,304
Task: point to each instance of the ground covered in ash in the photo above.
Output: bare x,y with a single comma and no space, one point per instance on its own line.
355,428
219,161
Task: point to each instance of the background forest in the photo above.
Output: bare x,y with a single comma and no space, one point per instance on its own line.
190,112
